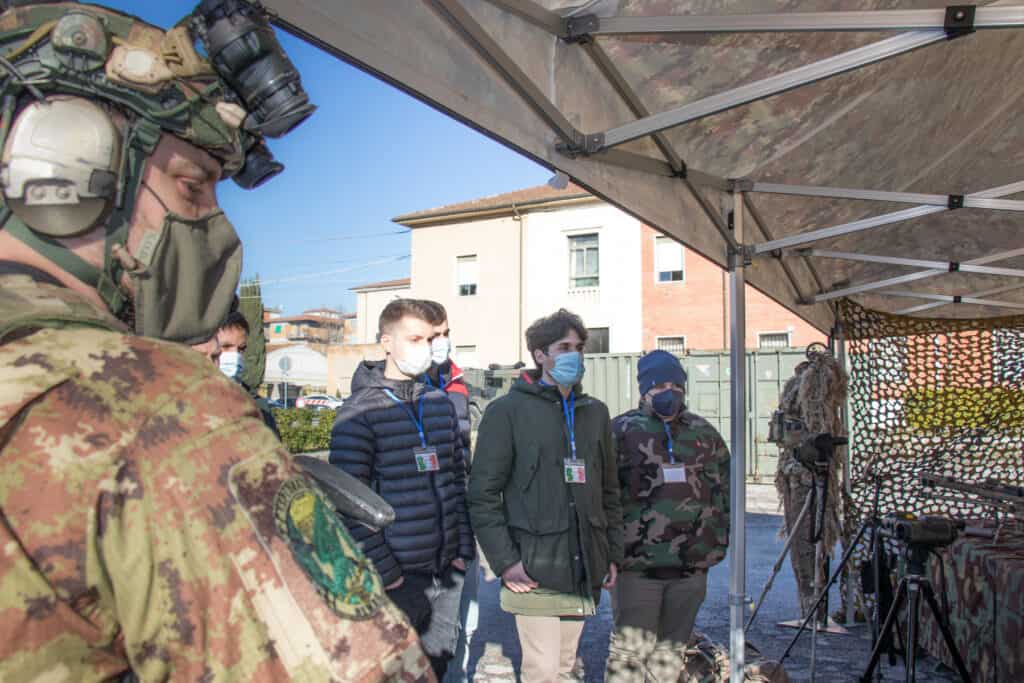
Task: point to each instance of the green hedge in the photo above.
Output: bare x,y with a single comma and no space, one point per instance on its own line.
970,407
304,429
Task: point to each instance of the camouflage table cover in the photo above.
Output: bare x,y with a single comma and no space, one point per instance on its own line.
984,582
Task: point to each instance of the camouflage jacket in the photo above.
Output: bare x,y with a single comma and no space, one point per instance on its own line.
149,520
678,525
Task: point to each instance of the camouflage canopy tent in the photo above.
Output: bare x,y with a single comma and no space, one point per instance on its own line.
874,152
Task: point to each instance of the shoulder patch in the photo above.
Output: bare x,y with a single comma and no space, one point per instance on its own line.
320,544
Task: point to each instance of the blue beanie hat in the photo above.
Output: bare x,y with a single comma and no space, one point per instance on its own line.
658,367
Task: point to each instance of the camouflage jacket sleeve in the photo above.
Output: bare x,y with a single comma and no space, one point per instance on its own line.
722,458
611,496
353,450
160,525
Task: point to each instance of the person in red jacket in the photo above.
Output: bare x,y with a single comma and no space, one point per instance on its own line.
444,373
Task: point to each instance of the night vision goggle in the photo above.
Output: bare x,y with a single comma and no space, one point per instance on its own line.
219,78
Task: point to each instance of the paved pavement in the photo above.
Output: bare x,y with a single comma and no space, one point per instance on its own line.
495,650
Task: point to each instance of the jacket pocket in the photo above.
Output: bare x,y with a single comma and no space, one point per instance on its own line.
545,558
599,548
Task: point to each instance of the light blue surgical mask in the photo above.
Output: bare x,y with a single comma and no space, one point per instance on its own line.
568,370
231,364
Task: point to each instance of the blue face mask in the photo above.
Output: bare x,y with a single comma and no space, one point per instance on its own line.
568,370
667,404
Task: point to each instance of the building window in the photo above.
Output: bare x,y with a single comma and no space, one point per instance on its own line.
668,260
597,340
468,274
773,340
583,261
676,345
466,356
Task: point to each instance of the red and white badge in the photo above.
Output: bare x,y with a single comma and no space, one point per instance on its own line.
426,459
575,471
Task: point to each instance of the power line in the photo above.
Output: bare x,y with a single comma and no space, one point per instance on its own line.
361,236
338,271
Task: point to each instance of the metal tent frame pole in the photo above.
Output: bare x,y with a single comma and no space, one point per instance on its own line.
773,85
876,221
871,20
847,459
738,436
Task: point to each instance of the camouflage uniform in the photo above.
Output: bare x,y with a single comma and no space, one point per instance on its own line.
673,534
151,522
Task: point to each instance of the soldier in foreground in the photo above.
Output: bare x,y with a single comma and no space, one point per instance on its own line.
674,476
150,522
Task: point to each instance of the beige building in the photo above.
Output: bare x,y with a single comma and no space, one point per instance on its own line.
370,301
500,262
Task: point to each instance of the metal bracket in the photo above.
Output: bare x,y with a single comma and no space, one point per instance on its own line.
741,185
682,173
957,299
954,266
582,144
959,21
956,201
581,29
730,221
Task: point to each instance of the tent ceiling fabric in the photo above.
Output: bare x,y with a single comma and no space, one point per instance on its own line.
937,120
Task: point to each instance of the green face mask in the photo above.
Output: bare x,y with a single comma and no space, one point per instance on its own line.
189,272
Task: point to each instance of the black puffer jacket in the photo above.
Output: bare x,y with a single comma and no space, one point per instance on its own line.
373,439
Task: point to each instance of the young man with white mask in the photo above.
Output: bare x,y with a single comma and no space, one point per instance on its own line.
401,437
544,499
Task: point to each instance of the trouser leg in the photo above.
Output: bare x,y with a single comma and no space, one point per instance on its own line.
469,616
549,647
570,631
802,552
680,604
636,607
441,635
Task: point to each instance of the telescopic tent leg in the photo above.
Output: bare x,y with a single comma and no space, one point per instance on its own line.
847,464
738,433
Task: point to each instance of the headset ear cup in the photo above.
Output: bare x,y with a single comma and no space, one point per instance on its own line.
60,165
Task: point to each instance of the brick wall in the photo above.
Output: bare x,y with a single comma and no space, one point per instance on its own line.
697,307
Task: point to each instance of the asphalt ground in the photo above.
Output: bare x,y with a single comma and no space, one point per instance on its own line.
495,653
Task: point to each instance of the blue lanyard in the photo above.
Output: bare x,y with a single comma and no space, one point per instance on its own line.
408,410
668,435
569,408
441,382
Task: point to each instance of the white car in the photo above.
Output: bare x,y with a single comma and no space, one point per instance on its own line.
318,401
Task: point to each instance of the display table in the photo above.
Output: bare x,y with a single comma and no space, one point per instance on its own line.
984,584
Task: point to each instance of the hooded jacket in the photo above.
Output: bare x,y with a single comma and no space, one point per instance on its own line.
452,382
523,509
373,439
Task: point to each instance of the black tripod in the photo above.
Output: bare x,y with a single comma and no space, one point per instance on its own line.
876,552
913,584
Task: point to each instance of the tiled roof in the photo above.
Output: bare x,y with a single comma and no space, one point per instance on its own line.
499,203
387,284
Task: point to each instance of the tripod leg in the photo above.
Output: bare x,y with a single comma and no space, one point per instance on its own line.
778,563
914,591
890,622
947,634
832,580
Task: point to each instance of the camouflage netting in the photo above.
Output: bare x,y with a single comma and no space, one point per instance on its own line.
930,395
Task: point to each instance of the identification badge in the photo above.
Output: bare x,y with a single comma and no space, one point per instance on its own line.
674,474
575,471
426,459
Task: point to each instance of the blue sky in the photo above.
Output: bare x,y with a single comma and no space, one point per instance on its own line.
368,154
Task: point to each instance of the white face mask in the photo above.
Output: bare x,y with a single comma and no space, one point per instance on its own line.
415,361
440,349
231,364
